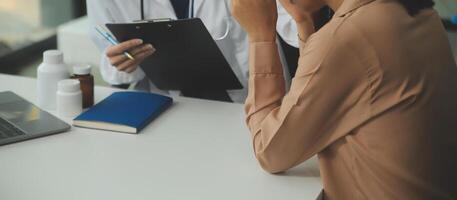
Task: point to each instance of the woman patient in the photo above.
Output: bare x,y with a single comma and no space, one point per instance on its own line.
375,97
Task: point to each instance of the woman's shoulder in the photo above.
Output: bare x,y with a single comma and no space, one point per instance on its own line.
339,34
340,43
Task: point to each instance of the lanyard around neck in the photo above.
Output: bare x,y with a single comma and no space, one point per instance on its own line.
191,12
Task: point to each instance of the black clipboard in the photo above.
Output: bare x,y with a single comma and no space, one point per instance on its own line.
187,57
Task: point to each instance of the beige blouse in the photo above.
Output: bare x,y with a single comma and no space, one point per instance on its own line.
375,96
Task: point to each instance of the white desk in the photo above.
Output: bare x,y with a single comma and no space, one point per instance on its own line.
197,150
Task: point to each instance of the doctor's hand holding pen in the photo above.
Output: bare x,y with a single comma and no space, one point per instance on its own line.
126,56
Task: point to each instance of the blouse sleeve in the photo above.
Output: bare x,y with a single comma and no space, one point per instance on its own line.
328,98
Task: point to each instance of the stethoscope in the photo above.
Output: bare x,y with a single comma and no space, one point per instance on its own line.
191,15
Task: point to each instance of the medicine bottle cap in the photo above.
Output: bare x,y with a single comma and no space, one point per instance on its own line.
53,57
82,69
69,85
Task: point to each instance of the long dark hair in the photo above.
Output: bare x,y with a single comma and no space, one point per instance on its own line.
415,6
323,16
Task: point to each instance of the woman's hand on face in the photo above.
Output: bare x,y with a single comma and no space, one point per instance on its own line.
304,19
257,17
300,16
135,47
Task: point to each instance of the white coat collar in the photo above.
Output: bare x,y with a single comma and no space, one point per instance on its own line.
197,7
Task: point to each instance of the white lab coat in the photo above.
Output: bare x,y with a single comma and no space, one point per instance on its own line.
214,13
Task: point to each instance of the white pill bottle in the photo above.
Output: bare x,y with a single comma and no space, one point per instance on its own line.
69,98
50,72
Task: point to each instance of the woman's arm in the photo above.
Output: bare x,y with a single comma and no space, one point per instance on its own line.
327,99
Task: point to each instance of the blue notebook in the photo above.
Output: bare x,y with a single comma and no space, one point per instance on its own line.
127,112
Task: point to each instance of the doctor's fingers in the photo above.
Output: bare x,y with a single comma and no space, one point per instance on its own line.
131,65
120,58
122,47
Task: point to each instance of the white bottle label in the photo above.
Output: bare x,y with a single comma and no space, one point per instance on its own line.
47,88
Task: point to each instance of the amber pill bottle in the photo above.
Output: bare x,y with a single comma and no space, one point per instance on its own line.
83,74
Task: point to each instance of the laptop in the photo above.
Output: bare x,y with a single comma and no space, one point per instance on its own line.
21,120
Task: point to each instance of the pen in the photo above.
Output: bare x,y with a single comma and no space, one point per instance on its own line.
112,40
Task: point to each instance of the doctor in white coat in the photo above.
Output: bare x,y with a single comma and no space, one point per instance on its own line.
116,69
